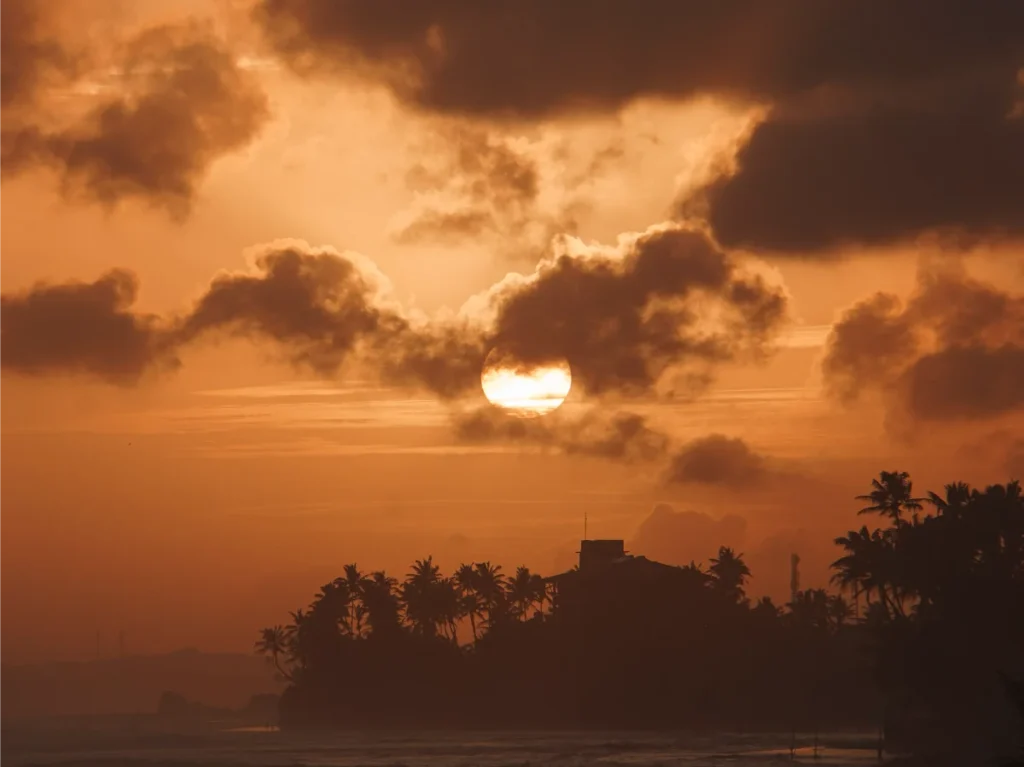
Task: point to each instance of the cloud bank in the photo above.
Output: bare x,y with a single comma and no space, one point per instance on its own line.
623,317
882,121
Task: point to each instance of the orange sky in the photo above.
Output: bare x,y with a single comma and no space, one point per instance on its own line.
195,506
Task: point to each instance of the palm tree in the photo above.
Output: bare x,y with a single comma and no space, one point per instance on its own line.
891,495
383,608
355,581
426,598
958,495
490,585
868,565
470,601
331,604
448,607
297,635
810,608
273,642
839,610
765,608
525,589
729,572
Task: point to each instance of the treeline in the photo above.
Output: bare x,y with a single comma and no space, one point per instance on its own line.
925,612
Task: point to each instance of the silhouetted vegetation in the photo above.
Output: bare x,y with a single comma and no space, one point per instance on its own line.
924,621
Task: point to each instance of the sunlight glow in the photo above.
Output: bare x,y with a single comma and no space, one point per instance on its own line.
526,392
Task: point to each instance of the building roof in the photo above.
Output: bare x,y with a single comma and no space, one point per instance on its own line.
628,565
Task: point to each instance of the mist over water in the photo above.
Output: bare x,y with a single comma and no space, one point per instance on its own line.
136,742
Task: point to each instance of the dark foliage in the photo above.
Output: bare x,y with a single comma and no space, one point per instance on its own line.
926,634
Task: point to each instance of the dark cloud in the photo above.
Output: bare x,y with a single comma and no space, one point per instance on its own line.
622,437
954,351
884,120
871,343
624,320
680,537
182,103
874,171
717,460
31,55
81,327
467,57
625,438
324,309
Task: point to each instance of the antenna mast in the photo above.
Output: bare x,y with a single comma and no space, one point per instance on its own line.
584,525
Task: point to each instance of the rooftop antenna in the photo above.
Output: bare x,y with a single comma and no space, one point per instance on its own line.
584,525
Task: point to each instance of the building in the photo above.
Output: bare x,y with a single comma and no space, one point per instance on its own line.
600,553
608,580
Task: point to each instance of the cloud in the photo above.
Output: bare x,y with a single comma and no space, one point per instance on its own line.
181,103
82,327
679,537
622,317
324,309
470,183
717,460
875,169
464,57
489,184
883,120
955,350
31,55
624,437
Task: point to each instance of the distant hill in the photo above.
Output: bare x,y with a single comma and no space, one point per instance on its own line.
132,684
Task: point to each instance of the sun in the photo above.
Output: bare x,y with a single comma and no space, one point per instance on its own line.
522,390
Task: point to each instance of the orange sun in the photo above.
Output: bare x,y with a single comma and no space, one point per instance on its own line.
522,390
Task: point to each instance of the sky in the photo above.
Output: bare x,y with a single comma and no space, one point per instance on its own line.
254,253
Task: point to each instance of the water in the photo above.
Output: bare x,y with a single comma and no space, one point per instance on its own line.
140,745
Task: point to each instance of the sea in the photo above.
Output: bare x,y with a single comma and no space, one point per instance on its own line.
103,745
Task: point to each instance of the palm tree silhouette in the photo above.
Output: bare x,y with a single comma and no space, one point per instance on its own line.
431,602
891,495
273,643
382,605
525,590
470,602
839,610
356,582
490,585
958,496
729,572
